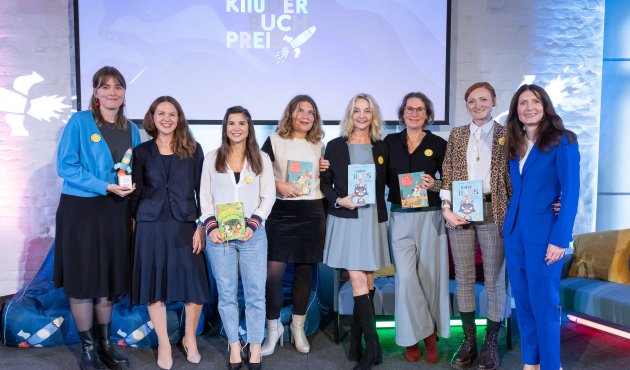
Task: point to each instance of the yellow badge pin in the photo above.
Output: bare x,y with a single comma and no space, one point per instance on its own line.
249,179
501,140
95,138
428,152
380,159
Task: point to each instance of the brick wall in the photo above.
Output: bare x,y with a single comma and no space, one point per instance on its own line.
34,37
491,40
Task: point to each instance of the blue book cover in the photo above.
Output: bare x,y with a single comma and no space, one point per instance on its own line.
468,199
362,183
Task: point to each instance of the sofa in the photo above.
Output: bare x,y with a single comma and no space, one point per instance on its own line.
596,277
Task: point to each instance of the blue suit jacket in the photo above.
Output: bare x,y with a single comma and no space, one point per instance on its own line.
545,177
84,161
153,184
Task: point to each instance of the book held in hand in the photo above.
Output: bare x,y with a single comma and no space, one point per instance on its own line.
468,199
231,220
300,173
411,193
362,183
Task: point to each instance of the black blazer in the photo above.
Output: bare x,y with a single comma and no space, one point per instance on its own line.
334,181
152,184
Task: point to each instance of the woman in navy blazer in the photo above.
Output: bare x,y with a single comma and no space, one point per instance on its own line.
544,165
168,263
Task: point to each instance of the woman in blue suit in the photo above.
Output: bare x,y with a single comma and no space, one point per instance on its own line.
544,165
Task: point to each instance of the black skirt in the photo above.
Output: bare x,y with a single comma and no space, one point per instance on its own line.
93,246
296,231
164,265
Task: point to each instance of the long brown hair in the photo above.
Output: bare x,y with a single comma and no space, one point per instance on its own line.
183,142
99,79
285,126
550,129
252,152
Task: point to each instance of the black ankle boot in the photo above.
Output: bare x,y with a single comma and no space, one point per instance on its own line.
109,355
489,356
467,352
366,319
89,356
356,347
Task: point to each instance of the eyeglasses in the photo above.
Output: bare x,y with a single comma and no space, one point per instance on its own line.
411,110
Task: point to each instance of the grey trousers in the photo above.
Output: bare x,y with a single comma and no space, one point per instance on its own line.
463,242
420,250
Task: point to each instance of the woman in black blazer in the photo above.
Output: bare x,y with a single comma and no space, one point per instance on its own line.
168,261
356,234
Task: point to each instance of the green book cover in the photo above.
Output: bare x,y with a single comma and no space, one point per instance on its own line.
300,173
411,194
231,220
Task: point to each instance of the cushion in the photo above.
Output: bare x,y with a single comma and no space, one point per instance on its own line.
602,255
601,299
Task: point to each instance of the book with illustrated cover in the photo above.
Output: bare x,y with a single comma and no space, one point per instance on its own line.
468,199
231,220
411,194
301,174
362,183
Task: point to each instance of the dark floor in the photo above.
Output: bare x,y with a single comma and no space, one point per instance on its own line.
582,348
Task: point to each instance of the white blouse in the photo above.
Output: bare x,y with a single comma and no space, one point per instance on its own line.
256,192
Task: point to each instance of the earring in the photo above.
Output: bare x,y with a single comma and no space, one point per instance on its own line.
123,105
97,103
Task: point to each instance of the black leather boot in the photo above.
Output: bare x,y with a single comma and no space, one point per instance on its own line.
489,356
467,352
379,353
109,355
89,357
366,318
356,347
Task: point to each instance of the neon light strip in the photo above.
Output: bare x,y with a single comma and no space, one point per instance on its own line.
594,325
454,322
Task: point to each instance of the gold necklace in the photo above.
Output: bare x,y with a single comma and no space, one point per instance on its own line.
482,139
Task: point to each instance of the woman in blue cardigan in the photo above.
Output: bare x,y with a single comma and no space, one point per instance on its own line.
544,165
92,241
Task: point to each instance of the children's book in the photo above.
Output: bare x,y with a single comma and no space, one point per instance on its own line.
301,174
362,183
231,220
468,199
411,194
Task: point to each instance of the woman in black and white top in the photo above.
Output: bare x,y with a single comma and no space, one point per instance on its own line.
239,172
297,223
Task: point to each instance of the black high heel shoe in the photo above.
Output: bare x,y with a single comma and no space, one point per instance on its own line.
238,365
232,365
254,365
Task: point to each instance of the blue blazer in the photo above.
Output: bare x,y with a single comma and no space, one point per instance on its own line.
154,187
545,177
84,161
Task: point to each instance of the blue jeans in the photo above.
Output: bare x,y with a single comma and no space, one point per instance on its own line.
225,260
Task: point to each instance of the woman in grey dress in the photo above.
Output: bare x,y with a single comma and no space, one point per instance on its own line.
356,234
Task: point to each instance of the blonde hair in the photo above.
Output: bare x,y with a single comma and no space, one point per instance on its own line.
285,125
347,126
